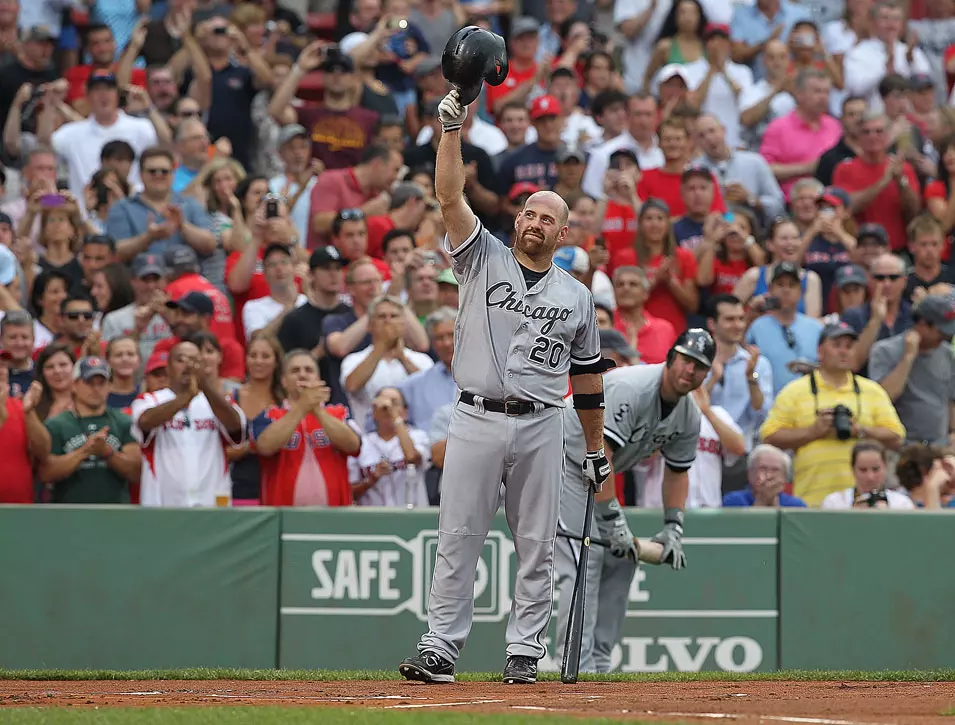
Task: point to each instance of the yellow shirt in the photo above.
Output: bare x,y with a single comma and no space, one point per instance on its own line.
822,467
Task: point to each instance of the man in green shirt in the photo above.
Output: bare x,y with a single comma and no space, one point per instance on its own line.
93,457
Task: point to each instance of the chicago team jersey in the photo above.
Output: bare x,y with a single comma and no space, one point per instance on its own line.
184,460
632,422
308,470
401,487
511,342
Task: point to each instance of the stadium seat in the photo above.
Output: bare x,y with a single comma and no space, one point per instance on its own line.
322,25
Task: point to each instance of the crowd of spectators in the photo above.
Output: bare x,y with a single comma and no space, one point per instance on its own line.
221,273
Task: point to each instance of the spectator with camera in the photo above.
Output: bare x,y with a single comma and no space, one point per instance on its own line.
304,444
300,173
93,456
828,244
927,473
785,336
917,370
768,471
822,414
869,470
185,430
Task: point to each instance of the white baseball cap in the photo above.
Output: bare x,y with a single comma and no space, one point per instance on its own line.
351,41
673,70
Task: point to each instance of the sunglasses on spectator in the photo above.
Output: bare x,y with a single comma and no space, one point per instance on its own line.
79,315
157,172
884,277
351,215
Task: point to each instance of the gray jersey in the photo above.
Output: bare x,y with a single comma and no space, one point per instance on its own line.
511,342
632,421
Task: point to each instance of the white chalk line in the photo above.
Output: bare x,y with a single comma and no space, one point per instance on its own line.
442,704
774,718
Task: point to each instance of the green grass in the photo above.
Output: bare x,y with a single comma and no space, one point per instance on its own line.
272,716
948,712
205,673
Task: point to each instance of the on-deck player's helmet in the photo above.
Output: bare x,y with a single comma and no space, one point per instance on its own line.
696,343
474,55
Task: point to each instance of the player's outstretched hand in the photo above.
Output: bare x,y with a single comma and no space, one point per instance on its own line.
596,469
672,539
450,111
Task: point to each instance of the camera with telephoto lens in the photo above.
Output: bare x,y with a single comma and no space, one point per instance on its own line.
871,498
842,422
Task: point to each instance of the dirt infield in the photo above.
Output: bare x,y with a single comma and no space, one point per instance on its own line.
813,703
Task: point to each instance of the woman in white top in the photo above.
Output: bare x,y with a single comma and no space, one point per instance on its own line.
389,469
869,469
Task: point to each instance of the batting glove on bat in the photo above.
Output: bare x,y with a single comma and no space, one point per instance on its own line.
613,526
672,539
451,113
596,469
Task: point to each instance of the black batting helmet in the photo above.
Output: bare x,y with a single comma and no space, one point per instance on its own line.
696,343
474,55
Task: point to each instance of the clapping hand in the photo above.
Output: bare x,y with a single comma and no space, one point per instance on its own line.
97,444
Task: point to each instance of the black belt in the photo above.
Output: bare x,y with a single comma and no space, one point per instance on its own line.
510,408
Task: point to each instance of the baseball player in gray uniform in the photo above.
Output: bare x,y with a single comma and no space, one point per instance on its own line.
648,410
523,324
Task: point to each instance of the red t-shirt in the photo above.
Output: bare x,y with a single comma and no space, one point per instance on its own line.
16,483
258,288
665,186
515,77
854,175
221,325
726,275
333,191
79,74
233,356
619,229
936,190
661,302
280,473
654,339
338,137
949,77
378,227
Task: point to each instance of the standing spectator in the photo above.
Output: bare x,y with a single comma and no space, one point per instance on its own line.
142,319
770,97
122,356
54,370
268,313
885,314
852,284
939,200
803,418
525,72
304,444
830,246
753,26
185,430
101,48
882,54
651,336
641,23
228,94
192,149
697,192
387,471
16,351
77,313
422,282
299,175
156,219
769,470
32,64
406,210
403,49
182,277
782,333
848,147
302,327
793,143
24,438
664,183
871,243
38,176
640,138
735,254
744,176
215,187
926,243
339,128
350,238
385,362
365,186
93,457
917,370
536,162
869,466
49,291
193,313
427,390
741,379
717,81
79,143
681,37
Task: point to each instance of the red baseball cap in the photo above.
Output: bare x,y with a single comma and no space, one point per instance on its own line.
522,187
716,29
157,361
544,106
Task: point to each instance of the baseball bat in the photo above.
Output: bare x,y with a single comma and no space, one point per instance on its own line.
650,551
570,667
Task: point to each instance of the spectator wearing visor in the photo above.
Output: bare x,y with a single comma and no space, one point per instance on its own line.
822,414
917,370
785,336
93,456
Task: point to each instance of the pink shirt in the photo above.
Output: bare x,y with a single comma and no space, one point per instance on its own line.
790,140
334,190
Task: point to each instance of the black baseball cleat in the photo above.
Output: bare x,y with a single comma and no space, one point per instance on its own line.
427,667
520,670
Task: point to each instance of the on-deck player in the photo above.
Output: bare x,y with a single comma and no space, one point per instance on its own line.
522,325
649,409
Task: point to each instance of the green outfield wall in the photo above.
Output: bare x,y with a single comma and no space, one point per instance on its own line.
131,588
